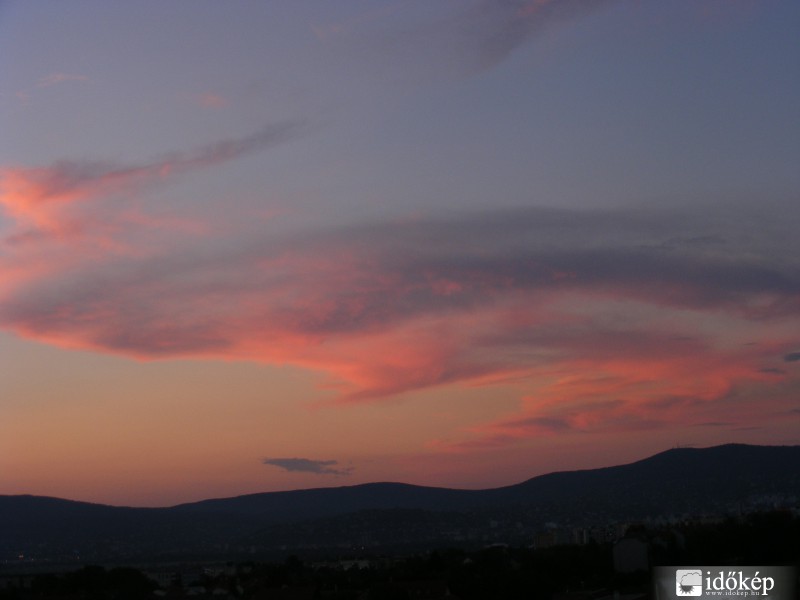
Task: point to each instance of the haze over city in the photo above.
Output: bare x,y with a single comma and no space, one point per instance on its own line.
256,246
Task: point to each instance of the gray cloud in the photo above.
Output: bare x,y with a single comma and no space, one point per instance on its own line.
477,38
792,357
233,148
97,177
306,465
495,28
611,252
396,270
216,297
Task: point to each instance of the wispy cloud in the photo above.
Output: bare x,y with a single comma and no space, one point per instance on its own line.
477,38
57,78
24,95
396,307
307,465
491,30
772,370
580,402
44,197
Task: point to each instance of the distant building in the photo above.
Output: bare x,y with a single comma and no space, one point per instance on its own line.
162,579
553,537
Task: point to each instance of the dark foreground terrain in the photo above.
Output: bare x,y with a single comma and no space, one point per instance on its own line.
590,571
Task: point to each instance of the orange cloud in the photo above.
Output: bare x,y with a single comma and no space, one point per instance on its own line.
698,386
48,199
570,304
40,197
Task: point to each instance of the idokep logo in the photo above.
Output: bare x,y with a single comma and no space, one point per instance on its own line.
689,582
767,582
737,581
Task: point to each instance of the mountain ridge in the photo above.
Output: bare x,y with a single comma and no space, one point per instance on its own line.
400,485
678,481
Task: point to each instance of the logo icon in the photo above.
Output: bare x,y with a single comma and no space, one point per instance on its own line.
689,582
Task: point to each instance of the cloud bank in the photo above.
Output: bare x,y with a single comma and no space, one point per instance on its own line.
608,319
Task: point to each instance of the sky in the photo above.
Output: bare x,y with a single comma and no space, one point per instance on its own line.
257,246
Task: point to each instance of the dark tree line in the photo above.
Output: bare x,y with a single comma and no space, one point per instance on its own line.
506,573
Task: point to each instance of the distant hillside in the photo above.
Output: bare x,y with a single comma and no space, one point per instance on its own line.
676,481
679,481
303,504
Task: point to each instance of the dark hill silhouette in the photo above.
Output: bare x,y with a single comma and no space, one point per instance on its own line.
339,500
678,481
673,480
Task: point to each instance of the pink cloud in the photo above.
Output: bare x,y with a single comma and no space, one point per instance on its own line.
701,387
572,305
48,199
41,197
376,331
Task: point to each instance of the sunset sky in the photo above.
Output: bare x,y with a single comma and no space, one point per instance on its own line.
249,246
